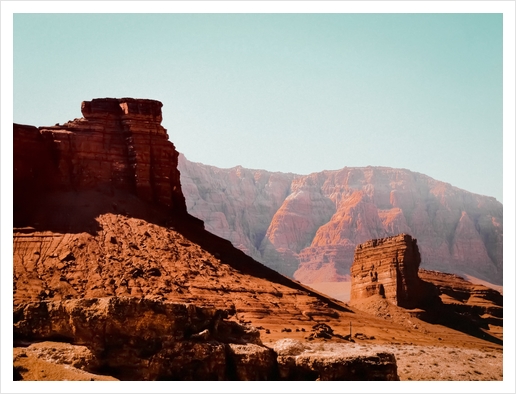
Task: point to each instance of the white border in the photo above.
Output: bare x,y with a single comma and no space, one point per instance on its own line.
8,8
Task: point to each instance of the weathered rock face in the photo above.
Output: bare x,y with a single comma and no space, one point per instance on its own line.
311,233
387,267
82,233
237,204
118,144
380,366
300,362
139,338
55,361
142,339
467,298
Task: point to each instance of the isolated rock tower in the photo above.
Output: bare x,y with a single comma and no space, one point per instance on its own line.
388,267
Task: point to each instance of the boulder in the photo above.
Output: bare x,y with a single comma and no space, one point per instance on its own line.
297,361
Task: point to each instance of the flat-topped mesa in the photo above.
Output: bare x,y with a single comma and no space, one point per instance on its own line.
118,144
125,109
388,267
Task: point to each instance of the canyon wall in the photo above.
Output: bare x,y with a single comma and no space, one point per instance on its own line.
309,226
237,204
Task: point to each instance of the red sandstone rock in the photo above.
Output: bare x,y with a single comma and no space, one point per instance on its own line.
311,234
467,297
387,267
237,204
119,144
146,339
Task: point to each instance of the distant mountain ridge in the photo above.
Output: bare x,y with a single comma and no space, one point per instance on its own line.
307,226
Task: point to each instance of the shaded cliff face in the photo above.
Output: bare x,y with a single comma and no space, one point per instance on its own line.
313,233
119,144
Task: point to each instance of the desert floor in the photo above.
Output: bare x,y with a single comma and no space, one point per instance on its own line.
415,363
430,363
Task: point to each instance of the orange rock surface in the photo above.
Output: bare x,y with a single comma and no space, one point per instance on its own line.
99,212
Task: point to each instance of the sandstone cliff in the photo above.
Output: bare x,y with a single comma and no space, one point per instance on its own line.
236,204
119,145
99,214
317,220
99,218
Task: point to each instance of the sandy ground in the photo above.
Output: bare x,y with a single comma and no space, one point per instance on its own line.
424,363
420,363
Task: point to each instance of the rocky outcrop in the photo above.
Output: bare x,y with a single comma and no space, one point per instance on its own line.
119,144
389,267
142,339
297,361
380,366
84,234
310,228
479,301
55,361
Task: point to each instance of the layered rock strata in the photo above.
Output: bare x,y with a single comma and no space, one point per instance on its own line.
99,212
388,267
385,281
236,204
482,303
83,233
119,144
309,225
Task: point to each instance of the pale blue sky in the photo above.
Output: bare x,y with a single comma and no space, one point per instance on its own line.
285,92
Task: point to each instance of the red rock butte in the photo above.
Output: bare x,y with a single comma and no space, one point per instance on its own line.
118,144
387,267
